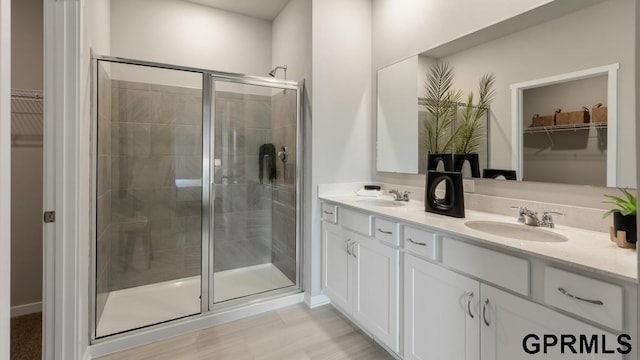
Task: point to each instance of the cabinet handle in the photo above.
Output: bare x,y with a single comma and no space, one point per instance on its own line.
469,297
385,232
327,212
484,311
347,245
421,244
353,250
566,293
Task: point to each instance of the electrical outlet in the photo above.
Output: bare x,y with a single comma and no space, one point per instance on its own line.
469,185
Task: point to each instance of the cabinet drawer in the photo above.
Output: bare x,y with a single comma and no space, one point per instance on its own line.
589,298
386,231
355,220
329,213
501,269
420,242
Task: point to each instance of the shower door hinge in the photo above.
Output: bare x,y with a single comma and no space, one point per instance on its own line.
49,216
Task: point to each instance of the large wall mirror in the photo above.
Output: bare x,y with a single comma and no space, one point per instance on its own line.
563,110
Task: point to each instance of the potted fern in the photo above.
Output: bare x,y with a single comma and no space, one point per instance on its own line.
441,104
471,131
624,214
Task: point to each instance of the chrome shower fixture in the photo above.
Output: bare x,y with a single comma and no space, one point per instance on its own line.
272,73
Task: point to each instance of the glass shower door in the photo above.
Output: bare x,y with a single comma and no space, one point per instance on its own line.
254,173
148,196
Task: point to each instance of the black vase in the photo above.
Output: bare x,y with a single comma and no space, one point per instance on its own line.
434,159
626,224
452,204
474,163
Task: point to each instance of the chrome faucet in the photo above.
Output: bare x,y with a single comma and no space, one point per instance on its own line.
547,219
398,196
530,217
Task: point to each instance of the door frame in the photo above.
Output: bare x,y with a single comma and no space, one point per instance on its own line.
62,307
5,177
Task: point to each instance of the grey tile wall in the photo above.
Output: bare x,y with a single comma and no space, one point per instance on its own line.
284,119
151,136
103,191
156,138
242,208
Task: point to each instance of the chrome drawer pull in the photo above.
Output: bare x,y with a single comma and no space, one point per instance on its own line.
417,243
385,232
327,212
484,312
469,297
566,293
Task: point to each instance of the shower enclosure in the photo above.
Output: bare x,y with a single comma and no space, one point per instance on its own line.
197,188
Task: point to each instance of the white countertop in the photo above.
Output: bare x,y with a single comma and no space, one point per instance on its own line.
585,249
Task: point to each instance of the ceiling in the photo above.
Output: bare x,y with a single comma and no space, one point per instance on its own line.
263,9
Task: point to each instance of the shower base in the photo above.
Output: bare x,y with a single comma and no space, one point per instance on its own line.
141,306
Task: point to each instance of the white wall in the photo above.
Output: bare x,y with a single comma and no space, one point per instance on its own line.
188,34
407,27
291,40
5,175
26,176
291,45
342,102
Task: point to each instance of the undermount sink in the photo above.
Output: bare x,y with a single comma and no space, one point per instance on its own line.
516,231
381,202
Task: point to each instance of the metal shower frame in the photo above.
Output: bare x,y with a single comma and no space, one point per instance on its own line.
209,80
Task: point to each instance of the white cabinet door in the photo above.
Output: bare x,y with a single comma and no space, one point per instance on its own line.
441,319
508,319
336,266
376,298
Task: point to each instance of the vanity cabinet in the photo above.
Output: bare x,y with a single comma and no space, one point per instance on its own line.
456,299
507,319
361,277
451,316
441,319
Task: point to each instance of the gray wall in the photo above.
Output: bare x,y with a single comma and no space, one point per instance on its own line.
156,138
103,191
567,157
26,163
242,208
284,120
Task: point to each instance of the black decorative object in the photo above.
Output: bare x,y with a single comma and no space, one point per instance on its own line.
452,204
434,159
627,224
474,163
496,173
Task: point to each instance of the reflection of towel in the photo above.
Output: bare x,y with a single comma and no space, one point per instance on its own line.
267,157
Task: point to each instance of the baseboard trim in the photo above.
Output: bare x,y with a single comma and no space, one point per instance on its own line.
26,309
318,300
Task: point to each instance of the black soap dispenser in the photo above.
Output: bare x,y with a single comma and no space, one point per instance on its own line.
452,203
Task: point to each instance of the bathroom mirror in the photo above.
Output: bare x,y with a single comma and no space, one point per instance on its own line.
563,37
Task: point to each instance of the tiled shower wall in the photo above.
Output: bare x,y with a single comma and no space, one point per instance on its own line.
243,207
284,120
156,139
103,190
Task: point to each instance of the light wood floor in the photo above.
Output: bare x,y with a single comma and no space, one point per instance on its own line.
292,333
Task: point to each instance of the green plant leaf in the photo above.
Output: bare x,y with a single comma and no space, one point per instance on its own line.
627,206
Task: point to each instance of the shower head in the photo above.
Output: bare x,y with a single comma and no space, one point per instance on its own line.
272,73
